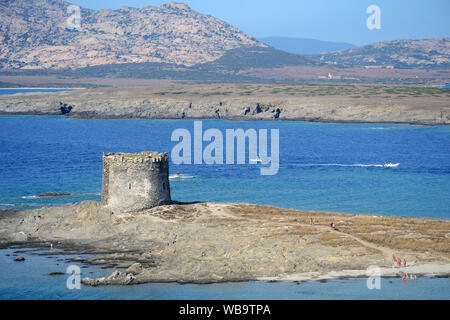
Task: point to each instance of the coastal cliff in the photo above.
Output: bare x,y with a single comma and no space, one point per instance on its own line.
209,242
319,103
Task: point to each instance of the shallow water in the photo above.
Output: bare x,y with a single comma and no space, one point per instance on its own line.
330,167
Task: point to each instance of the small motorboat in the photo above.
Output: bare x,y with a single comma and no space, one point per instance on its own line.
175,176
391,165
257,160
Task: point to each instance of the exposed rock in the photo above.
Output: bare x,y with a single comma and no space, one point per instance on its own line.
37,34
65,109
257,109
129,278
19,259
135,268
114,275
92,282
399,53
180,243
271,102
277,113
19,236
176,6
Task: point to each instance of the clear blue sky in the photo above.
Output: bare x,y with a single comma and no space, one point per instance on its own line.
333,20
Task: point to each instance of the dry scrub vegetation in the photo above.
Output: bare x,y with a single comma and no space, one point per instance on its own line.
397,233
301,90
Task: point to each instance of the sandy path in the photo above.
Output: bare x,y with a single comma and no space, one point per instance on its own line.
386,251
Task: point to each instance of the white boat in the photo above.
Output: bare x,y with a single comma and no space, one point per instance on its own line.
257,160
391,165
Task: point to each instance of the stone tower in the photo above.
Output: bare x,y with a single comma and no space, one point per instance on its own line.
134,182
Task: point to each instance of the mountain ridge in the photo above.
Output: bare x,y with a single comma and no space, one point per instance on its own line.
431,52
174,42
305,45
34,35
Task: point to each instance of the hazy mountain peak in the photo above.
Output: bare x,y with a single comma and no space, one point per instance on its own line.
176,6
434,52
305,45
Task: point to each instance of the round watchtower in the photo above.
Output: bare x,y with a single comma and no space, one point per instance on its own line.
135,181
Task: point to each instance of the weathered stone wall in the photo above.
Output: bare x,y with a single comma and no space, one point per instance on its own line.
134,182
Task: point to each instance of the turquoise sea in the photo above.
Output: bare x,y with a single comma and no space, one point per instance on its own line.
327,167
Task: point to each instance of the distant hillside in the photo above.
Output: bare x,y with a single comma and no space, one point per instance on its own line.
255,57
34,35
174,42
254,64
227,68
305,45
425,53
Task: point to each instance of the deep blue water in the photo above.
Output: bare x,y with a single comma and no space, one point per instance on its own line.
14,91
333,167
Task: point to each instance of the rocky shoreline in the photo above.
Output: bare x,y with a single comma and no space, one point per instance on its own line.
210,242
316,103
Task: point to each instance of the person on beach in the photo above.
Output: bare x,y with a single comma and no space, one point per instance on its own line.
311,221
333,226
404,262
399,262
394,258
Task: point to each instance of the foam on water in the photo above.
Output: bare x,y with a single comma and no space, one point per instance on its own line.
339,165
180,176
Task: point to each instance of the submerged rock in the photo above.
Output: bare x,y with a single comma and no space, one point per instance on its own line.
53,195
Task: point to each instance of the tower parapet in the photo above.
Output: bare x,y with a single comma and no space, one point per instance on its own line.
135,181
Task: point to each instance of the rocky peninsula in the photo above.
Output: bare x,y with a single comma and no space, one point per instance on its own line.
319,103
212,242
